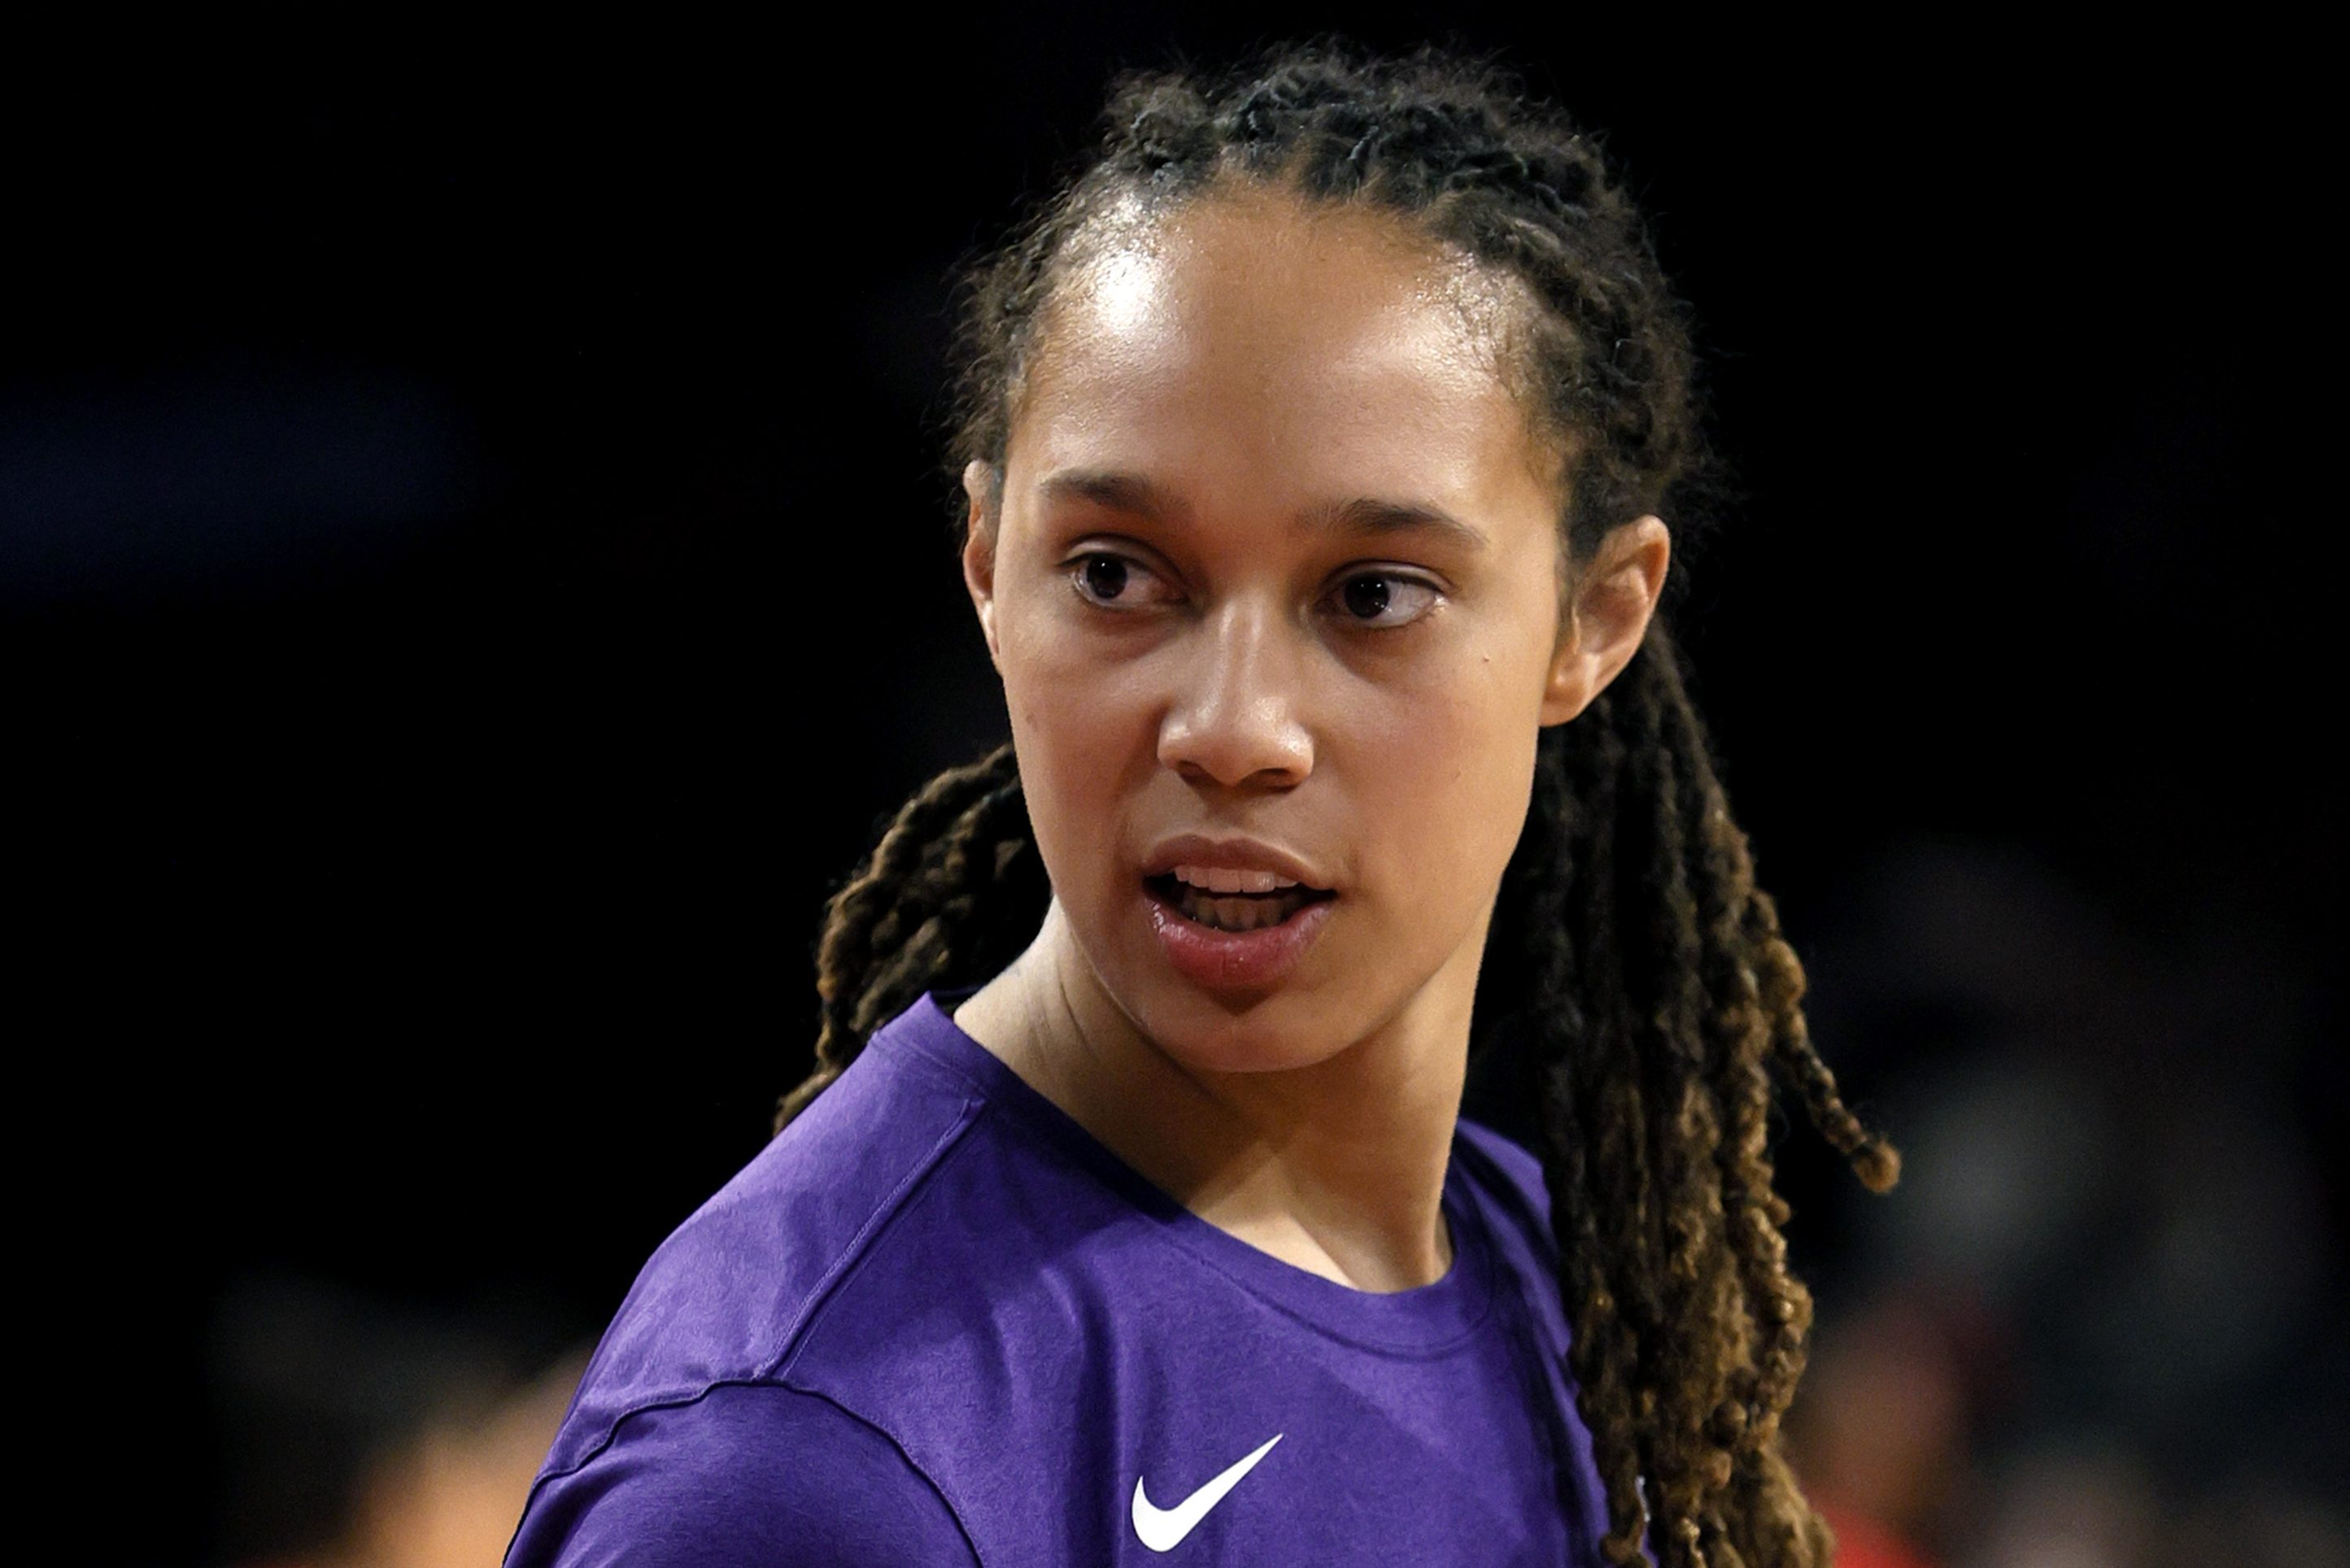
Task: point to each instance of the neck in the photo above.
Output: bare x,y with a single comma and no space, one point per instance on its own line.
1336,1167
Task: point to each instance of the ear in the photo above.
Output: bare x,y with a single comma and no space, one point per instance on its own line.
1606,615
978,485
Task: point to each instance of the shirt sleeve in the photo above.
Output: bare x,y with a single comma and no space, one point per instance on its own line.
747,1473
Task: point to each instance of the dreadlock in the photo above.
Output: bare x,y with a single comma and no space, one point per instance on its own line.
1638,989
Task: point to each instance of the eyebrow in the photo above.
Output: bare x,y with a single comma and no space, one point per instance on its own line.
1363,516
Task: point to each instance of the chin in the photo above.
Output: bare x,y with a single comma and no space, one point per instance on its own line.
1272,1033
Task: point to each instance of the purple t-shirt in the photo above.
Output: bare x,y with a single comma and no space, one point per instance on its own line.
937,1322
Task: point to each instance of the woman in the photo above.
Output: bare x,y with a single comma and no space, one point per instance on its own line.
1319,442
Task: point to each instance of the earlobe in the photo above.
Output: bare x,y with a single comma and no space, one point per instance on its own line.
979,552
1570,690
1607,615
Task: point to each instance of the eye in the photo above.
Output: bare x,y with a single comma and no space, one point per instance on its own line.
1111,581
1381,601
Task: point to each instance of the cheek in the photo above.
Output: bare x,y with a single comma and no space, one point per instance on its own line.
1067,697
1443,772
1446,762
1082,731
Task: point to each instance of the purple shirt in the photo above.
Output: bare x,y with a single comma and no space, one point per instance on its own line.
937,1322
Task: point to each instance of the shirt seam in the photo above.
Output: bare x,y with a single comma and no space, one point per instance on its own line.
852,1256
866,1242
684,1401
962,1526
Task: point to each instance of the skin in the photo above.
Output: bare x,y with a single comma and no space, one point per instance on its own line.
1247,368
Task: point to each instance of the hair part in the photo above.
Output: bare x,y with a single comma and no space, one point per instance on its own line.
1638,988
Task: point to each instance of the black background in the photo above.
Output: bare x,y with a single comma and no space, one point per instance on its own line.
476,566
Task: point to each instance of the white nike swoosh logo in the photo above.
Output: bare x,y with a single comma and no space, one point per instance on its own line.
1163,1529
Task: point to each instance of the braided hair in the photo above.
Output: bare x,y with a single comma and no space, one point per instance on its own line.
1637,989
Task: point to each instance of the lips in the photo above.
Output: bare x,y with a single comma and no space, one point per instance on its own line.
1208,853
1276,930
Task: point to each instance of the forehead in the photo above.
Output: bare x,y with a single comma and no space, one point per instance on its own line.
1280,349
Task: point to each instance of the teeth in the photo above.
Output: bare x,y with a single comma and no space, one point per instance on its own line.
1240,914
1221,880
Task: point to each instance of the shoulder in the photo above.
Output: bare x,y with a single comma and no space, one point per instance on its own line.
1505,1169
730,1294
1509,1177
742,1474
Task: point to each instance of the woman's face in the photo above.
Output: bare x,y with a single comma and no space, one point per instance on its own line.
1275,564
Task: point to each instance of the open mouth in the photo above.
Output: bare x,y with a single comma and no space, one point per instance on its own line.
1232,911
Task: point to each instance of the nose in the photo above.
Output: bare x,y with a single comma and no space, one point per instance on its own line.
1236,718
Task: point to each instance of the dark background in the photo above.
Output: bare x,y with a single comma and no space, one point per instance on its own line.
474,567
